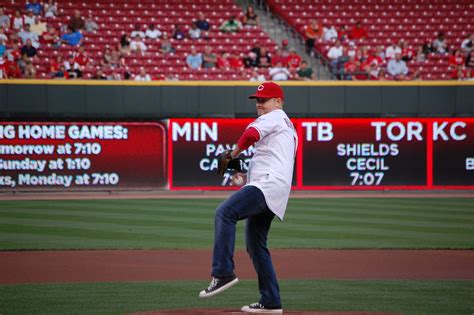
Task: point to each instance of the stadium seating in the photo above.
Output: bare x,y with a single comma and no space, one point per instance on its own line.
118,17
416,21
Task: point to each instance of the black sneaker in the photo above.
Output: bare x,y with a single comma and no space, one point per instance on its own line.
218,285
262,309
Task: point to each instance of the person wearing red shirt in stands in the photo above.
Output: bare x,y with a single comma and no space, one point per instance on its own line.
81,58
358,32
293,60
279,56
350,67
223,61
56,64
460,73
408,53
456,59
236,62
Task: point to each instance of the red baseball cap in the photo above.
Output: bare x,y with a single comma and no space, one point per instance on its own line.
268,90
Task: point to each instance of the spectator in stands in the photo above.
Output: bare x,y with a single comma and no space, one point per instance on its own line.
77,21
420,54
29,18
178,34
26,34
143,75
61,73
73,68
117,60
466,45
137,45
351,50
358,31
99,75
152,32
251,61
350,69
81,58
51,36
335,54
392,50
456,59
194,59
223,61
194,32
209,59
459,73
380,52
257,77
29,70
34,6
313,32
39,27
3,36
279,73
137,31
55,65
18,21
250,18
202,22
440,44
166,45
13,52
106,57
231,26
4,20
3,68
50,9
397,68
280,56
265,59
293,61
343,34
330,33
72,37
407,52
114,75
3,48
470,59
90,25
304,72
28,49
235,61
171,77
124,45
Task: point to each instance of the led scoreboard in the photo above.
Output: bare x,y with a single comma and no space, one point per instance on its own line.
338,153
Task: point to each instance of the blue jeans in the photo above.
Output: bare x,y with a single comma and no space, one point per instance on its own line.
247,203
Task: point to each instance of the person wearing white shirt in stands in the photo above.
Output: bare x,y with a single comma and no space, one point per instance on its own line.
392,50
137,45
329,34
143,76
152,32
334,53
466,45
279,73
137,32
397,68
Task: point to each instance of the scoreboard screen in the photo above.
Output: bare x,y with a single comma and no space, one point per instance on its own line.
337,153
82,155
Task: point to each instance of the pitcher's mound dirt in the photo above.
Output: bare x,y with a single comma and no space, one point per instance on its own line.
230,312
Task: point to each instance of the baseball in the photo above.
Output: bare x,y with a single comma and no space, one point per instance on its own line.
237,180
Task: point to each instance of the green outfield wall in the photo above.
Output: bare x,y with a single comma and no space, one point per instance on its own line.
59,100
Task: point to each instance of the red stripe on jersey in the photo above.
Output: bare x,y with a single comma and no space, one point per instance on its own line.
249,137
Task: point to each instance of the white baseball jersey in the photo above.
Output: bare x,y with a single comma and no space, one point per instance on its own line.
271,167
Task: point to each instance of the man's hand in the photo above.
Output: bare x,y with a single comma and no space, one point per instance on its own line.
225,162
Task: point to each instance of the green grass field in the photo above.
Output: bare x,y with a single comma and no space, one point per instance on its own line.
174,223
183,223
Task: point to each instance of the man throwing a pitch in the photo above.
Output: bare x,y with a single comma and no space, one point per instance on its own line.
264,196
